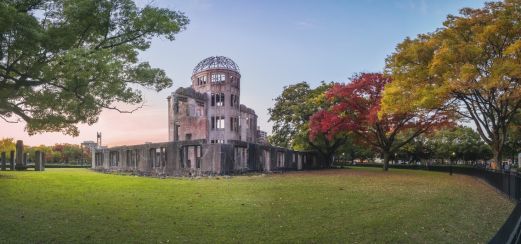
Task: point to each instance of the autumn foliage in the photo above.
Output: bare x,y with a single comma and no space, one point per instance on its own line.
355,108
473,62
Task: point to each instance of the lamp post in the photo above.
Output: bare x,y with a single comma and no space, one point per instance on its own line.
343,159
452,158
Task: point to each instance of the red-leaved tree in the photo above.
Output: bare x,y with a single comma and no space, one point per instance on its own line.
355,107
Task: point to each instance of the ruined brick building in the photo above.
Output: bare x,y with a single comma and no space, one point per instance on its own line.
210,108
210,133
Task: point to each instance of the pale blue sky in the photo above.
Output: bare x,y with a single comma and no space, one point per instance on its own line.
275,43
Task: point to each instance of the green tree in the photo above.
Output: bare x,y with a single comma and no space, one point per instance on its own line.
7,145
418,149
63,61
354,148
54,157
67,153
472,64
291,114
42,148
72,153
462,142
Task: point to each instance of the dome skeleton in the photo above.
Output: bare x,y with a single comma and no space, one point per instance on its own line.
216,62
210,108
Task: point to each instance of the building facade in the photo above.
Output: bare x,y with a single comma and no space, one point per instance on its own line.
210,109
198,158
210,133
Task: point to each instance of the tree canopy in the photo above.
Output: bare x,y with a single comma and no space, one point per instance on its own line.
291,112
7,145
461,143
472,64
354,107
63,61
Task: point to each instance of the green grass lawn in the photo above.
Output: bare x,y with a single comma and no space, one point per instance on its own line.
346,205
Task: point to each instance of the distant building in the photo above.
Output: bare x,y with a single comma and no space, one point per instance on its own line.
89,144
210,108
262,136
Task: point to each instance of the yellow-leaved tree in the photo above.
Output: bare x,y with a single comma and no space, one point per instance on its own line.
472,65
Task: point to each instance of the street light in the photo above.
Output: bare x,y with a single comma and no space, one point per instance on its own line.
344,159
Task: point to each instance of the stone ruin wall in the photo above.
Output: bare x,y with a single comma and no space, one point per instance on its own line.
198,158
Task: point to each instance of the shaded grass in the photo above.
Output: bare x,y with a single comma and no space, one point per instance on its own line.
345,205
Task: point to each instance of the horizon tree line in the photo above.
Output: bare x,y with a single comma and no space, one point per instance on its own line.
58,153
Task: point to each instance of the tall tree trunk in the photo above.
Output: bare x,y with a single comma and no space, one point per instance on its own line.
387,156
498,159
328,157
497,150
330,160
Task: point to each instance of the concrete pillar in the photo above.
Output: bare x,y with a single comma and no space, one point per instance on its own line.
267,160
299,162
11,154
37,160
42,161
19,154
106,158
26,158
195,157
161,157
3,158
186,155
93,158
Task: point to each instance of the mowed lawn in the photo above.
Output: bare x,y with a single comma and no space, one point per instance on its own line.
346,205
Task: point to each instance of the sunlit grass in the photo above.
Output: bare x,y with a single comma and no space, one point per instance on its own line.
349,205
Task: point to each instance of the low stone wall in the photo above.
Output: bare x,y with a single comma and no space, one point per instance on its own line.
198,158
